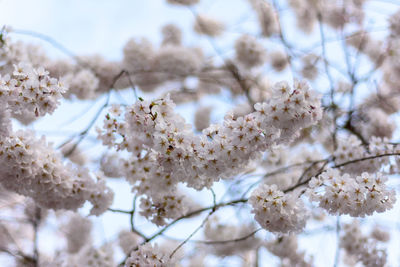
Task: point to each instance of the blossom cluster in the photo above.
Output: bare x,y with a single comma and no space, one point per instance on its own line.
362,248
267,17
276,211
31,168
249,51
159,208
286,248
77,230
166,151
215,231
29,92
345,194
91,257
337,14
352,149
128,241
147,255
208,26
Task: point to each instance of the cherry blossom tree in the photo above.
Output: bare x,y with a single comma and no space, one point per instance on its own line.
307,143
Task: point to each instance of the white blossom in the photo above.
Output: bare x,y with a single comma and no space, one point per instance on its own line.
208,26
249,51
38,172
148,255
77,231
363,248
276,211
356,196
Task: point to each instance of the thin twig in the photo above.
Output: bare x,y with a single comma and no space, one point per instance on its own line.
132,213
193,233
337,253
83,134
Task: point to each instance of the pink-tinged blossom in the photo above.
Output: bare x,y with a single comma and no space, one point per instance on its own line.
148,255
175,154
356,196
276,211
